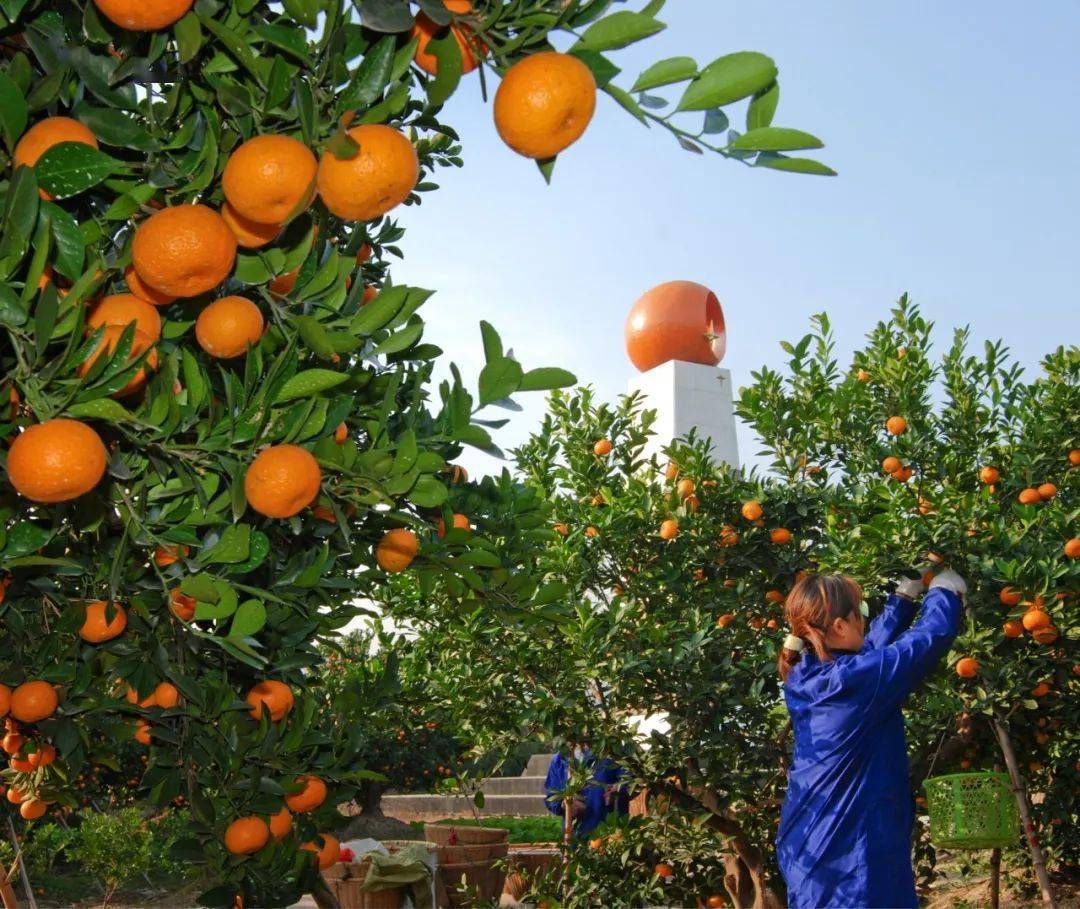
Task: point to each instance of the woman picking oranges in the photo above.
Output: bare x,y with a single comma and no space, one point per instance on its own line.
845,828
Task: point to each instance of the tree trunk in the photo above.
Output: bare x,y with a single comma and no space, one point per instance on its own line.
27,889
371,800
995,879
1020,791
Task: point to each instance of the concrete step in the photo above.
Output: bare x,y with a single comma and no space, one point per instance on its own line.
538,765
437,807
513,785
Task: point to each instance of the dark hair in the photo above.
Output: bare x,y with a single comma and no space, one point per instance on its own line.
814,603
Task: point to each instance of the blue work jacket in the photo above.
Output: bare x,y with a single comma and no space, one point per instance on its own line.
598,805
845,828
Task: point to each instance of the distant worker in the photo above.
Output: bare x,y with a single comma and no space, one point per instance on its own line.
606,792
846,825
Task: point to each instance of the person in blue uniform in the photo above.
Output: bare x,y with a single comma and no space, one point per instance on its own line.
606,792
846,824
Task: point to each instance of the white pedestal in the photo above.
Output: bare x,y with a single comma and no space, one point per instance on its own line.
687,395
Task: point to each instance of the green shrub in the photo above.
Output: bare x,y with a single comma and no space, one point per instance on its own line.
44,845
114,848
538,829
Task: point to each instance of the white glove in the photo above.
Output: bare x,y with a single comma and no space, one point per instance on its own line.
910,588
950,580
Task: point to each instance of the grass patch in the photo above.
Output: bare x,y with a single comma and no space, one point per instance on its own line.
538,829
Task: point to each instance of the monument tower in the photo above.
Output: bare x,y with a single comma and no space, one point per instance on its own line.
675,336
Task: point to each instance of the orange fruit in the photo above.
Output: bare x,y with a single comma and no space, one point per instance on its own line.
106,345
967,667
181,605
166,555
671,471
46,133
32,809
310,797
166,695
728,536
1040,690
591,531
1047,491
602,448
246,835
896,426
280,824
461,522
544,103
1074,456
726,619
424,29
5,700
396,550
1072,548
363,254
685,488
123,309
270,179
1010,596
692,502
375,180
341,433
774,596
43,757
780,535
902,475
270,695
228,327
1029,496
143,291
327,853
18,764
142,732
1045,635
56,461
285,282
752,510
562,529
249,234
1035,618
664,870
989,475
183,250
715,901
15,796
862,375
96,629
13,743
33,701
136,16
669,529
282,481
891,464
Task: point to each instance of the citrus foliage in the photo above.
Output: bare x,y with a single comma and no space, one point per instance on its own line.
220,404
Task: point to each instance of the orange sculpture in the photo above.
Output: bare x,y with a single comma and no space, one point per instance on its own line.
679,320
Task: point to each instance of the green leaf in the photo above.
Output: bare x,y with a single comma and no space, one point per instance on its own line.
546,166
499,379
775,138
23,539
763,107
385,15
618,30
12,313
234,546
202,587
549,593
100,409
447,54
69,168
666,72
493,347
20,215
546,378
602,68
380,311
796,166
627,103
428,492
728,79
13,111
114,127
70,246
371,77
310,382
249,619
400,340
188,37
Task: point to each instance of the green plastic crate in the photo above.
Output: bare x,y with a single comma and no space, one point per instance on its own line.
971,811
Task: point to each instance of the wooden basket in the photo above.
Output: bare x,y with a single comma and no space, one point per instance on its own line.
442,834
346,879
528,865
483,882
477,852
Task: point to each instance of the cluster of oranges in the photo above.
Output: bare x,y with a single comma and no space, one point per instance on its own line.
29,756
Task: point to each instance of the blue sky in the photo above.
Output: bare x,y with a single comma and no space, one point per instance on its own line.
952,126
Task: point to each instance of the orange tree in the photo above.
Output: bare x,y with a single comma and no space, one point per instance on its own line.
221,434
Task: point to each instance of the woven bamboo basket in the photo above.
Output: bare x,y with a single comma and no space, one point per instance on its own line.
443,834
527,865
472,883
345,880
476,852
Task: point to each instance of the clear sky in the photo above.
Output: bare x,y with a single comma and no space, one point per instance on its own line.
953,127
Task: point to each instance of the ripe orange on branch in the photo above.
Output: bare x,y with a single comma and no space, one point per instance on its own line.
34,700
461,522
1010,596
891,464
249,234
56,461
310,797
989,475
96,628
282,481
46,133
1029,496
280,824
123,309
602,448
669,529
270,696
376,179
269,179
228,327
141,15
1047,491
1072,548
1035,618
184,250
780,535
144,291
896,426
326,852
967,667
424,29
396,550
752,510
246,835
168,554
544,103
